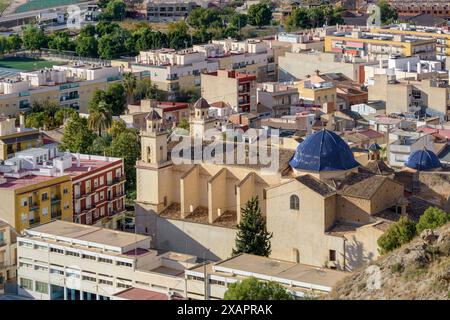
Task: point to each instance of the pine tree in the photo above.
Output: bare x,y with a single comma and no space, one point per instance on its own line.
252,236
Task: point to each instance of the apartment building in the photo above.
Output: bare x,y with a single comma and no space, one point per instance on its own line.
251,56
276,96
375,46
63,260
299,279
229,86
316,92
70,85
98,186
169,10
42,184
8,252
405,68
430,96
14,139
441,36
172,70
298,65
440,8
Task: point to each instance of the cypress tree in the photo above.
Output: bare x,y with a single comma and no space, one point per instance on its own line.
252,236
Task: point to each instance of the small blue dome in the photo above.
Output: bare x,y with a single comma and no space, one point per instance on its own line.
374,147
323,151
423,159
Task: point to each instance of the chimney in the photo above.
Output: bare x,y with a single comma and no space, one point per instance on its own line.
419,67
22,121
78,159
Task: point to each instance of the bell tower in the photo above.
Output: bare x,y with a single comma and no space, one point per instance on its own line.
154,140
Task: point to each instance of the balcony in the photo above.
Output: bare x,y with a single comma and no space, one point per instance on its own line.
34,222
116,181
56,214
2,243
55,200
69,97
33,206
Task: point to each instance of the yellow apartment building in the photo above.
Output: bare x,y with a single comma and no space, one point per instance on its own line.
14,139
442,39
316,92
32,200
375,47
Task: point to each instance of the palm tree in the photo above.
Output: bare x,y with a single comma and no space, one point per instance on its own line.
129,83
100,117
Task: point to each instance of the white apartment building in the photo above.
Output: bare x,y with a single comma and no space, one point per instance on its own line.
70,85
172,70
63,260
404,67
406,142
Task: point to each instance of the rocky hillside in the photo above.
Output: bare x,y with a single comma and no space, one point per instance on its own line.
417,270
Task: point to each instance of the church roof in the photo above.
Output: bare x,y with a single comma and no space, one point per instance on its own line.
201,104
423,159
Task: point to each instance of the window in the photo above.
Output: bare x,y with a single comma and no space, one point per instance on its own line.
104,260
107,282
26,283
39,247
95,183
40,268
41,287
25,265
125,264
123,285
294,203
25,244
24,202
332,255
87,278
87,256
56,250
66,191
44,196
56,271
45,212
72,253
102,180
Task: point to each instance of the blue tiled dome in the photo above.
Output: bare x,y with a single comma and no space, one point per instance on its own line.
374,147
423,160
323,151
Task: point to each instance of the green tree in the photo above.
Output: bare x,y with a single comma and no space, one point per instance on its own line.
178,35
298,19
14,42
64,114
77,136
34,38
432,218
87,31
184,124
100,117
43,115
116,98
259,15
117,127
254,289
115,10
146,90
252,236
238,20
61,41
129,84
106,27
388,14
204,17
399,233
126,145
86,46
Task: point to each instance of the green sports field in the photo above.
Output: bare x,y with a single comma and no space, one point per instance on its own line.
27,64
44,4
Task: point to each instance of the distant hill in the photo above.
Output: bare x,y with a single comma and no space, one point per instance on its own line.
417,270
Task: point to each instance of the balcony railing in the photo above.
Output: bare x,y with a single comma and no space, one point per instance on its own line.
56,199
33,206
116,180
70,97
34,222
56,214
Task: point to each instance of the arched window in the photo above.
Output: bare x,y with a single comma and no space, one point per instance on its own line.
295,202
